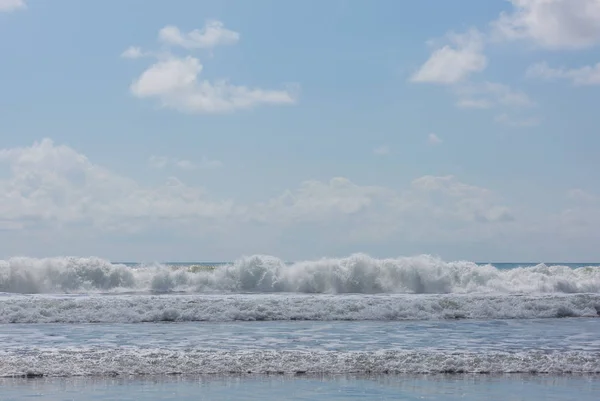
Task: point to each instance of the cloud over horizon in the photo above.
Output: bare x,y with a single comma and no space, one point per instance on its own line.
51,186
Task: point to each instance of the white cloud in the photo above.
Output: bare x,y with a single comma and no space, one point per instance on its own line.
448,198
213,34
552,24
132,52
315,201
454,62
51,186
588,75
453,65
432,207
490,94
582,195
158,161
167,76
433,139
208,164
382,150
517,121
580,219
204,163
185,165
54,184
174,81
12,5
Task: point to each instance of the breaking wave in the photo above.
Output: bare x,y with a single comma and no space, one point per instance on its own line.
118,362
355,274
287,307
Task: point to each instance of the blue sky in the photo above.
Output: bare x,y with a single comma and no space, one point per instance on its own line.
189,130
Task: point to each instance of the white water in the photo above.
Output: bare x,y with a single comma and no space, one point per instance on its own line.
355,274
95,362
270,307
263,288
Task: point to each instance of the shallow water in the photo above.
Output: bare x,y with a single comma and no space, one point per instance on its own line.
576,334
500,346
447,388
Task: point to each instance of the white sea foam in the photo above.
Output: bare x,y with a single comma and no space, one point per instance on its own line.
355,274
273,307
119,361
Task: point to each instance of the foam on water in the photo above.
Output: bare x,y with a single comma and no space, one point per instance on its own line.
356,274
102,362
269,307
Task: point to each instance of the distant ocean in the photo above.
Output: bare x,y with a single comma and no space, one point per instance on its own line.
262,328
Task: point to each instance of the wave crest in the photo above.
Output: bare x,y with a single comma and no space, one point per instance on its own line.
355,274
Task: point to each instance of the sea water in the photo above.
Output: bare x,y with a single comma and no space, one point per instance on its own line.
329,388
261,328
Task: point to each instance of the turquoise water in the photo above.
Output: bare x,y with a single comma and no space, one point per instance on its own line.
261,328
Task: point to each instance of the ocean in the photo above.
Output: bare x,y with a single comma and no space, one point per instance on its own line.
331,329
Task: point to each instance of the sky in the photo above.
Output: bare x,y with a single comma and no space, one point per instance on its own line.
191,130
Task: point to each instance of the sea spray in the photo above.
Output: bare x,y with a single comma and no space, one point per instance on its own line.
266,274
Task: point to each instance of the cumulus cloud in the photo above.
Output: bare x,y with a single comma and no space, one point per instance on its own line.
433,139
552,24
50,185
581,195
158,161
174,81
12,5
133,52
54,183
581,217
316,200
587,75
187,165
431,207
490,94
453,65
549,24
161,162
512,121
211,35
382,150
454,62
448,198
